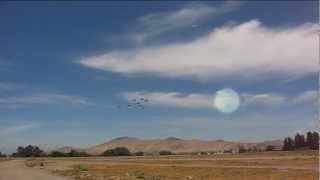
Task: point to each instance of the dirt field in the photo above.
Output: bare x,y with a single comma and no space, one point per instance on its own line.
262,166
17,170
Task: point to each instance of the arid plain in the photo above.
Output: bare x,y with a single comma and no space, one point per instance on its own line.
298,165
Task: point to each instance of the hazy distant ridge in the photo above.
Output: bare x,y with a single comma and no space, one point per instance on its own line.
175,145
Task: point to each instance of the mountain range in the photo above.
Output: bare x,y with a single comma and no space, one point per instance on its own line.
173,144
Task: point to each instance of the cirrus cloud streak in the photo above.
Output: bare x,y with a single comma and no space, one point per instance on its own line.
198,100
247,51
19,101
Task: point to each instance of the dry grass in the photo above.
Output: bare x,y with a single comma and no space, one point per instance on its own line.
128,172
263,166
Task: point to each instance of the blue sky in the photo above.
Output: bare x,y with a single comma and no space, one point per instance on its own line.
68,70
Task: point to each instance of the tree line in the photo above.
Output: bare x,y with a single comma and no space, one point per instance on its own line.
123,151
300,141
34,151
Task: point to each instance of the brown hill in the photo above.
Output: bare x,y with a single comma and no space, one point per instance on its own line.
175,145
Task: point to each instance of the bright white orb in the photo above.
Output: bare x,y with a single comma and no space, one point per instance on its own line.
226,100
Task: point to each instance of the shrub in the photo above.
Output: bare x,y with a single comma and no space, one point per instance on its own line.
72,153
270,148
165,152
57,154
242,149
140,153
2,155
118,151
81,167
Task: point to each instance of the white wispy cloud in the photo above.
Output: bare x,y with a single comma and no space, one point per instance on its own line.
13,130
247,51
44,99
198,100
155,24
270,99
173,99
307,97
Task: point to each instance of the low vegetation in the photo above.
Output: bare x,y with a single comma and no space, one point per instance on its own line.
118,151
165,153
140,153
34,151
299,142
81,168
2,155
262,165
275,165
72,153
28,151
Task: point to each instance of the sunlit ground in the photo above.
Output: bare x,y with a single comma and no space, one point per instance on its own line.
263,166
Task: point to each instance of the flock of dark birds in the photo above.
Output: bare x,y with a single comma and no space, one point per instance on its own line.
139,103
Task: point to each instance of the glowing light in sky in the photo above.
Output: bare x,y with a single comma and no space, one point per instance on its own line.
227,100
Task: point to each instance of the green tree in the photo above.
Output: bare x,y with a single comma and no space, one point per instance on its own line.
57,154
299,141
74,153
309,141
288,144
315,141
165,152
285,144
291,146
118,151
28,151
312,140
